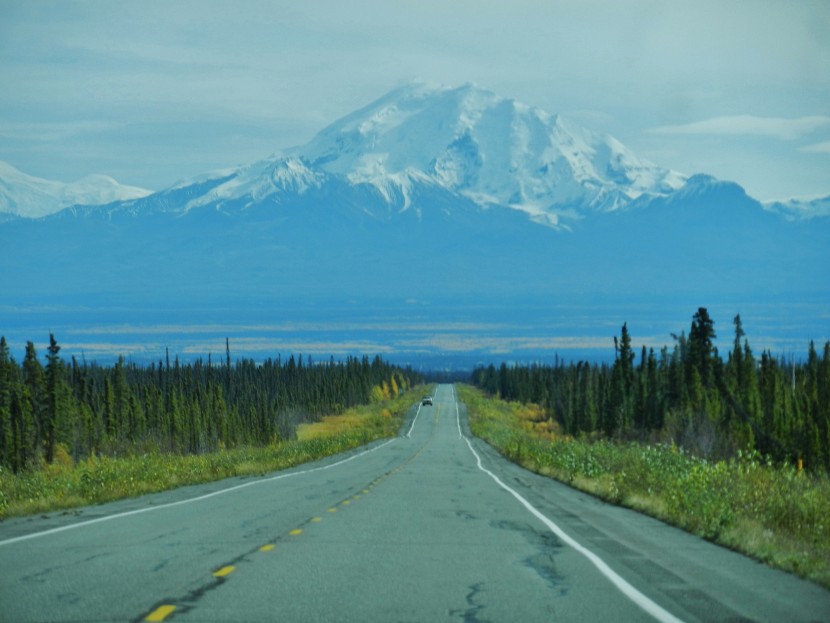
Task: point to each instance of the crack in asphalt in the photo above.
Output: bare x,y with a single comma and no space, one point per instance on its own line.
471,613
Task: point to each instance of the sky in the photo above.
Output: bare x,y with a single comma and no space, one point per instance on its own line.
152,92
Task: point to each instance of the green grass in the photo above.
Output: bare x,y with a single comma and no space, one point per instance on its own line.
772,513
65,485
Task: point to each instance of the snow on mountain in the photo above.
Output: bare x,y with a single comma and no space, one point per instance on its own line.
260,180
489,149
465,141
33,197
428,193
414,148
801,209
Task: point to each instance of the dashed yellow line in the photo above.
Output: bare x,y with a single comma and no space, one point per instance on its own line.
224,571
160,613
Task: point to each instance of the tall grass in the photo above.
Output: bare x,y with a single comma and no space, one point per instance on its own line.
773,513
65,484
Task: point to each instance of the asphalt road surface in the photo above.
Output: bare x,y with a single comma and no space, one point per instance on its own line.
430,526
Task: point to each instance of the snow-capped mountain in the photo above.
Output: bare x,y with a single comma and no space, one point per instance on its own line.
492,150
465,141
32,197
428,192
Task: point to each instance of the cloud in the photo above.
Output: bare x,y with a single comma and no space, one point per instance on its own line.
818,148
749,125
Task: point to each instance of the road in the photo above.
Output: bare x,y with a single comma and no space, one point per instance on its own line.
430,526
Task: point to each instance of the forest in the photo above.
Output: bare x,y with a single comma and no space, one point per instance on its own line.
82,409
688,395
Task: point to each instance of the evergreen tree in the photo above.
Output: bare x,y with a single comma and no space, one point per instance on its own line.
33,373
702,351
53,372
622,386
6,379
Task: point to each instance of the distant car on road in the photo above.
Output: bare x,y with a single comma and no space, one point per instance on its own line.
426,400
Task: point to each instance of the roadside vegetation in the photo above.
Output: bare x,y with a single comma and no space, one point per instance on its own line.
773,512
735,449
691,396
66,484
78,434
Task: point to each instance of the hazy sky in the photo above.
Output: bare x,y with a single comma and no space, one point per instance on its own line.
153,91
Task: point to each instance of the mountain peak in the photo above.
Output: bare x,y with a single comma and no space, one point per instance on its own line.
33,197
461,141
492,150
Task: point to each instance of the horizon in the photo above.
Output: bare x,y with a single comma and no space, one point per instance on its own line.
422,341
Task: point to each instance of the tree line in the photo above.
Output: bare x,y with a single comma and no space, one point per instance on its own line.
689,395
81,409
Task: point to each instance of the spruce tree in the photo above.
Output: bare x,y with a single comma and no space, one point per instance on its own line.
702,351
5,402
33,375
53,371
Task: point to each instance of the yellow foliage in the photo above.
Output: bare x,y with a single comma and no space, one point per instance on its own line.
62,457
61,461
330,425
377,394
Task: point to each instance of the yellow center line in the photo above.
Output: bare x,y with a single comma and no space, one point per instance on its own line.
295,532
267,548
346,502
160,613
316,519
224,571
332,510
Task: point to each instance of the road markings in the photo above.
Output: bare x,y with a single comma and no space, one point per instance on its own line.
659,613
160,613
224,571
415,419
138,511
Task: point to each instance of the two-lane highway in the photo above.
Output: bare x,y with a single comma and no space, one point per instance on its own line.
429,526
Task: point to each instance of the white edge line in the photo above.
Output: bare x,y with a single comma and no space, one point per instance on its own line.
409,432
659,613
138,511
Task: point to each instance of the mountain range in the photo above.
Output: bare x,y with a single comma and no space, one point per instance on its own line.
428,194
